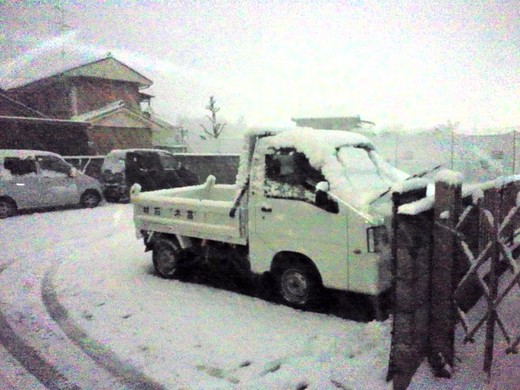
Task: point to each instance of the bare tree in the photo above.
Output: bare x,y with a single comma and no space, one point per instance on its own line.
216,128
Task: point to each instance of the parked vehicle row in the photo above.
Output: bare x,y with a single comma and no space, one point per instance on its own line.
31,179
34,179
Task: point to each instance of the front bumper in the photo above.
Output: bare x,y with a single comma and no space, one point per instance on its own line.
117,192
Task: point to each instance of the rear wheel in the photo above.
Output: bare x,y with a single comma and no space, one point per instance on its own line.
90,199
165,257
7,208
298,284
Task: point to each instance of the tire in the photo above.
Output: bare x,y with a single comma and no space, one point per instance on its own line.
7,208
298,285
165,258
90,199
111,198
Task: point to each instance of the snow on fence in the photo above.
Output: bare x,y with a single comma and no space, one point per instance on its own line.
440,246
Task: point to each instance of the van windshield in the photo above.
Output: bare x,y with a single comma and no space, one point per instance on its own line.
168,161
114,163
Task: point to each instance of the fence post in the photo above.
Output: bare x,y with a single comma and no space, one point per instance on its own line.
492,203
411,252
509,194
447,208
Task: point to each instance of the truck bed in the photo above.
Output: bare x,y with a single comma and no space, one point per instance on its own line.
200,211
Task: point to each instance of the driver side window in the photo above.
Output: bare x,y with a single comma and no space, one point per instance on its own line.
52,166
289,175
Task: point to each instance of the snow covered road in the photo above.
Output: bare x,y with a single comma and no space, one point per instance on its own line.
79,291
27,329
82,308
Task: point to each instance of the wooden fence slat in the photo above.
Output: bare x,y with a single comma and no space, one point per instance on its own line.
443,313
492,200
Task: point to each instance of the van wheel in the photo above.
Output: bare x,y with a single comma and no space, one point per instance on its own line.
7,208
298,285
165,258
90,199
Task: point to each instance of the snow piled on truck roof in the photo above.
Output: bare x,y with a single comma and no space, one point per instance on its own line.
322,148
309,139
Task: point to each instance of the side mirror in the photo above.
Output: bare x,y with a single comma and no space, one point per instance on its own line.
73,172
322,186
323,201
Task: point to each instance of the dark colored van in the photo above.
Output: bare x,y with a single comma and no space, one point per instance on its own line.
153,169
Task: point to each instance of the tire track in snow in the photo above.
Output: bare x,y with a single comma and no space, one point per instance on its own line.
29,358
6,265
102,356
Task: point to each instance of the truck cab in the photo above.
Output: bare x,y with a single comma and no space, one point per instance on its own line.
310,203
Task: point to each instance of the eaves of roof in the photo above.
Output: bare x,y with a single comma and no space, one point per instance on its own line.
8,118
117,107
69,72
22,106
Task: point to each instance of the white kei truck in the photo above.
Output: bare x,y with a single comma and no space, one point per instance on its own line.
306,209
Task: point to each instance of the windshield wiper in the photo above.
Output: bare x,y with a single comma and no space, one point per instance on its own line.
417,175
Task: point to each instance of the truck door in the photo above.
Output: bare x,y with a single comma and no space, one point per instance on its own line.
285,216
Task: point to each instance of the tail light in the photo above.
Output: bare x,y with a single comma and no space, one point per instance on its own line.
377,238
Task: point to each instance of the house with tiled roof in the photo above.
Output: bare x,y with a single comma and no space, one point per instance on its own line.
104,92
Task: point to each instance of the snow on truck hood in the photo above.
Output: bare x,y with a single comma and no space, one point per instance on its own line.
356,173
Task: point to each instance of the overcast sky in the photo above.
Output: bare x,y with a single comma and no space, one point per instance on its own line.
411,63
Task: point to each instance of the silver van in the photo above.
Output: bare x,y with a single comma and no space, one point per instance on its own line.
32,179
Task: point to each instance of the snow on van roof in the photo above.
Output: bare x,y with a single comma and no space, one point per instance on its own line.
24,153
122,152
307,139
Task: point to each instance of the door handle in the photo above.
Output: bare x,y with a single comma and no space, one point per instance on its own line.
266,209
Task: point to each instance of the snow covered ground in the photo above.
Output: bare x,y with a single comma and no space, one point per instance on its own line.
191,336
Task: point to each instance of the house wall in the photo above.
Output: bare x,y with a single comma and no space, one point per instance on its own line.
68,97
93,94
65,139
103,139
52,100
9,108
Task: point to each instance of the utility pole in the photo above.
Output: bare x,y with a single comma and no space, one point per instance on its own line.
63,27
514,151
396,141
452,129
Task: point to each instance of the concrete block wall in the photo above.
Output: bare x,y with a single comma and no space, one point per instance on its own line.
223,166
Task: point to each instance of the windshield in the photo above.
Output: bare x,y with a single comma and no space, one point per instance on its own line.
366,173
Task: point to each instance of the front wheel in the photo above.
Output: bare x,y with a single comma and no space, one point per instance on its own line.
298,285
90,199
7,208
165,257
